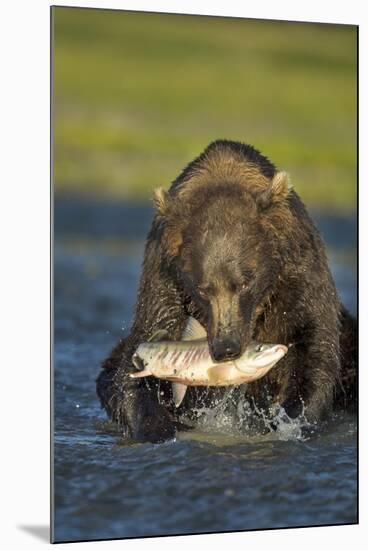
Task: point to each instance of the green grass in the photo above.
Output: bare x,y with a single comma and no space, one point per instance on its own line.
137,96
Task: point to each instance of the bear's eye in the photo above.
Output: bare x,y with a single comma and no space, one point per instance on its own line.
202,292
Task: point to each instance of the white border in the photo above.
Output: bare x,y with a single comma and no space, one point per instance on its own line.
25,268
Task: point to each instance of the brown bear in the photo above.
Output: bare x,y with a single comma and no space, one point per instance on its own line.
233,245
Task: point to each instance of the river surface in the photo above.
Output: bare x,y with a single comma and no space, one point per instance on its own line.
216,478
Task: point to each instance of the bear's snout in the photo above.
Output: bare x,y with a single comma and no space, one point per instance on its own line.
227,348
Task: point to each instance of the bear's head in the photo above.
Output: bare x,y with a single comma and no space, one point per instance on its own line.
226,239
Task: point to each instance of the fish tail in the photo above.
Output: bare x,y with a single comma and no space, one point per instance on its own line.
140,374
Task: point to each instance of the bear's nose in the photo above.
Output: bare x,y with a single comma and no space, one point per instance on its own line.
225,348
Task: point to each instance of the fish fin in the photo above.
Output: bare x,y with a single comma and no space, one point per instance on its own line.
159,335
218,373
178,390
140,374
193,330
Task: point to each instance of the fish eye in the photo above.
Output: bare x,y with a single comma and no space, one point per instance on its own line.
259,347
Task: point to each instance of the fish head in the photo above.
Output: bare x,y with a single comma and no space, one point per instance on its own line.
262,355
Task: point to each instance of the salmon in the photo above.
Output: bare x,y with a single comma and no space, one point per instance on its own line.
188,362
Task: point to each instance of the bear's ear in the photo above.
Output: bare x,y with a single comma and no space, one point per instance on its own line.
281,185
161,201
277,191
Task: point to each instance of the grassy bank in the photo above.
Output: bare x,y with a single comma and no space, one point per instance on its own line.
139,95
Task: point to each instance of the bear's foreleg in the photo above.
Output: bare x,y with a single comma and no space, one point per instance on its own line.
134,404
313,378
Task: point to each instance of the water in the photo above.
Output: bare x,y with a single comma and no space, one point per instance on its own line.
217,478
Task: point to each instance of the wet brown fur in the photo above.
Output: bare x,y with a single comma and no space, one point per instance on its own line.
231,216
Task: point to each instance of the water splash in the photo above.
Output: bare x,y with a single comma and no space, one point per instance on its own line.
283,427
219,415
235,414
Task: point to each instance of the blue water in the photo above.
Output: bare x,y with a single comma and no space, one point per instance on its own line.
218,477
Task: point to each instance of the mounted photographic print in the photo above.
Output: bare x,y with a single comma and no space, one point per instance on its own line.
205,274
